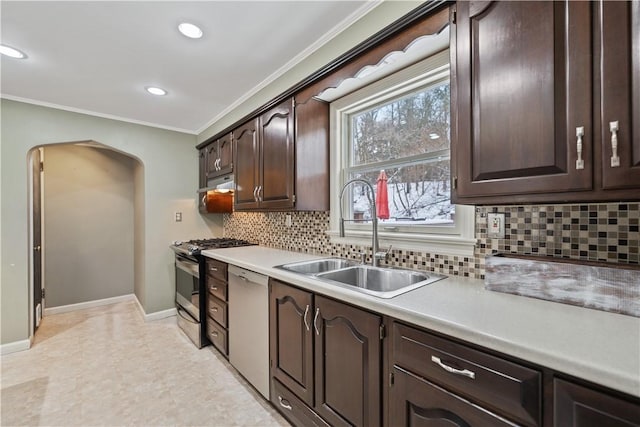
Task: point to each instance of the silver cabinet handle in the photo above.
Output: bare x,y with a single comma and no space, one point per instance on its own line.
218,164
204,200
213,288
306,322
614,127
37,248
579,135
255,190
464,372
213,268
214,309
284,403
214,334
259,193
315,321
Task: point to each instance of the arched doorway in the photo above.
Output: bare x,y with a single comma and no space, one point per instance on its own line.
86,196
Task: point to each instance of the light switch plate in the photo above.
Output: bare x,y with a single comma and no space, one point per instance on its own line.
495,225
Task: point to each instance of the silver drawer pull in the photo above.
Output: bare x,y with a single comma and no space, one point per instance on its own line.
463,372
315,321
214,269
306,311
214,334
214,309
614,127
579,135
214,288
284,403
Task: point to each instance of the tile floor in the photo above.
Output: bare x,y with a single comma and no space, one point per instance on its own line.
105,366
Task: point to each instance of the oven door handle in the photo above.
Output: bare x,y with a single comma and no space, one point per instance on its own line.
185,316
188,267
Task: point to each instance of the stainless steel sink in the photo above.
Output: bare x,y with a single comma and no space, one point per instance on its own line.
317,265
379,281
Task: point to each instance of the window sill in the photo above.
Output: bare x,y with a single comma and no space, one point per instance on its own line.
429,243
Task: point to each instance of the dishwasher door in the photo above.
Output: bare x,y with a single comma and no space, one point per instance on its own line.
249,326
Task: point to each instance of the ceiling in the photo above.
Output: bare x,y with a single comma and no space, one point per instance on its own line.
98,57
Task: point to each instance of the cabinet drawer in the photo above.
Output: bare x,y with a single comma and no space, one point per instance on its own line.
496,383
217,335
414,401
217,310
293,408
216,269
217,288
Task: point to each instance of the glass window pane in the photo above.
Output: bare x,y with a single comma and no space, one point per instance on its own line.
415,124
417,194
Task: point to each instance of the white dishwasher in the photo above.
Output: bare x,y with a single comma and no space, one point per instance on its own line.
249,326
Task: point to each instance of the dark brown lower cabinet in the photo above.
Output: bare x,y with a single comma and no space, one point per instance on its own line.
348,363
325,359
417,402
578,406
291,338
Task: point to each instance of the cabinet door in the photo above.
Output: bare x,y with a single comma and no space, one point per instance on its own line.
577,406
291,339
620,66
202,168
212,159
312,155
247,170
348,363
225,154
278,174
416,402
523,86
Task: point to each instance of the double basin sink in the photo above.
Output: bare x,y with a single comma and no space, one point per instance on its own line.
378,281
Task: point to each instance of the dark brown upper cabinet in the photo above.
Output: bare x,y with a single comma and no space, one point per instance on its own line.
219,157
202,167
522,98
277,173
284,163
247,160
535,105
265,161
619,23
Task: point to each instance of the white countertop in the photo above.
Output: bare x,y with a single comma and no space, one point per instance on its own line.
598,346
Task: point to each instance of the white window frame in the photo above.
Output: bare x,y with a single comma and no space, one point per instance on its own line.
458,239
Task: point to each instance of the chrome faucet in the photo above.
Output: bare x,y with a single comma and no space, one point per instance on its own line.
377,256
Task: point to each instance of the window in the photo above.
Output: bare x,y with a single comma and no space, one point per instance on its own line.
400,125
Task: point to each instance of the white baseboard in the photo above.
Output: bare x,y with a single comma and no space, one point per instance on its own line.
15,346
88,304
158,315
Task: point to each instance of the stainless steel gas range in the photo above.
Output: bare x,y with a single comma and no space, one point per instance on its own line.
190,283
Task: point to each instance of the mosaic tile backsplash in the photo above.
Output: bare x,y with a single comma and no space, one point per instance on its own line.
595,232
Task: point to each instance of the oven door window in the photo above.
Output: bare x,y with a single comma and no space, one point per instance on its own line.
188,287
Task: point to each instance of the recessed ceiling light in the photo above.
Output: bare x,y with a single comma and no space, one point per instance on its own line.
156,91
190,30
434,136
12,52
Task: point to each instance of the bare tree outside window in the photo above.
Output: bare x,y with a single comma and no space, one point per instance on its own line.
408,137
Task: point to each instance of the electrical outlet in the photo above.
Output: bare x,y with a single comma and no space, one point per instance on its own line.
495,225
287,220
178,216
